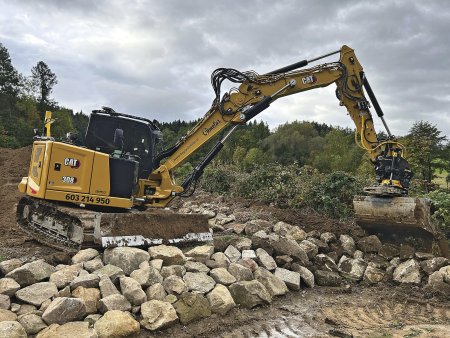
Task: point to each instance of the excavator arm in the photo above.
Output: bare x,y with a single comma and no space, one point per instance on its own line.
256,92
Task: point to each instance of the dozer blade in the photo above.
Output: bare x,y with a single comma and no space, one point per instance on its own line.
71,228
400,220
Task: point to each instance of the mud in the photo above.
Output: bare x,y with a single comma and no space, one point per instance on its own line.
153,224
326,312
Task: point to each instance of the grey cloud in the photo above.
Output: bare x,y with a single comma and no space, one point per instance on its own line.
154,58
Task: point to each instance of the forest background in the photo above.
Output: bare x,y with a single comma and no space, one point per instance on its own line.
302,165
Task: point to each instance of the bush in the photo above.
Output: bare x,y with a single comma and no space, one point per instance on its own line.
288,186
441,204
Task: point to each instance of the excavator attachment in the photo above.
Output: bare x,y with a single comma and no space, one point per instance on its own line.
400,220
70,229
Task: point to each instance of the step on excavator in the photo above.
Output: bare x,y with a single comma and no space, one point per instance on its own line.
114,191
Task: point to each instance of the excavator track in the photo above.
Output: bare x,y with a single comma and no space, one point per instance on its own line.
60,227
70,228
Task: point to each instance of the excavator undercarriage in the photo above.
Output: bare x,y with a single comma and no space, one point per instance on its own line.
69,229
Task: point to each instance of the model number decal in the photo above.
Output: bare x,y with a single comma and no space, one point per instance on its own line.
69,179
87,199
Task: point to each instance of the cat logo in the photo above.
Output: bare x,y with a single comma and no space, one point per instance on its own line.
310,79
72,162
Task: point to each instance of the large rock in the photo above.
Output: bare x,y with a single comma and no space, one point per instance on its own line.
274,284
369,244
147,276
431,265
347,244
389,251
126,258
310,248
232,254
262,240
132,291
37,293
407,252
373,275
5,302
12,329
68,330
352,268
305,274
265,260
199,282
112,271
201,253
327,278
26,308
156,292
243,243
157,315
32,323
117,324
240,272
445,270
222,276
291,278
177,270
192,266
170,255
220,300
191,307
248,263
84,255
9,265
107,288
256,225
328,237
8,286
285,246
31,273
218,260
407,272
63,277
6,315
325,263
86,281
90,297
250,294
289,231
114,302
174,285
63,310
93,264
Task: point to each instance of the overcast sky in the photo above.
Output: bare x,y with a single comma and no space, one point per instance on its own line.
155,58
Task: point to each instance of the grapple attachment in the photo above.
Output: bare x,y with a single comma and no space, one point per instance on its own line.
400,220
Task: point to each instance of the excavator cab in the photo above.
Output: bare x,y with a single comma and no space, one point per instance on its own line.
139,137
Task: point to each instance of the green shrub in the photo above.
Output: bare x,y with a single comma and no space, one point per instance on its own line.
441,203
288,186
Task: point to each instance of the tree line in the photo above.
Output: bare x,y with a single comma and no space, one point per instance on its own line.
25,98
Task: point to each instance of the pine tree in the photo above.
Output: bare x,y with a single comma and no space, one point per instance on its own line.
43,80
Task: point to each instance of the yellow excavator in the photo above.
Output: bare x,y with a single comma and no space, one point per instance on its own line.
118,173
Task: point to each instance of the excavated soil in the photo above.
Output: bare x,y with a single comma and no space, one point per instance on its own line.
14,243
386,310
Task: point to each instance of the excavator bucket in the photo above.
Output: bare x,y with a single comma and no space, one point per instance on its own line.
69,228
400,220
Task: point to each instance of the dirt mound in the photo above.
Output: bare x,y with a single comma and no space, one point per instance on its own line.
14,164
